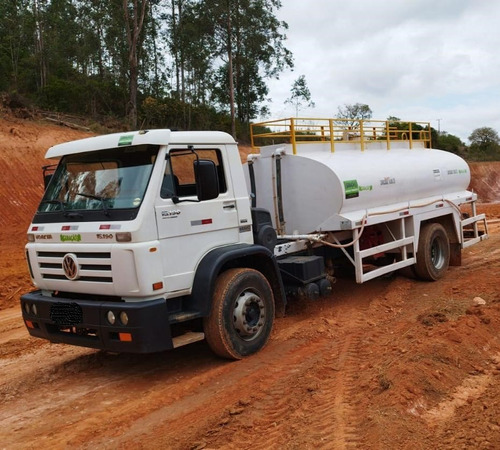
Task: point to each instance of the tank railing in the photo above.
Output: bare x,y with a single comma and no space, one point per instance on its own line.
296,131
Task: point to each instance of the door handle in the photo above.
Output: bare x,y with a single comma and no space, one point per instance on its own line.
229,206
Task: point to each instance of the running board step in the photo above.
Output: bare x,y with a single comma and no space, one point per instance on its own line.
187,338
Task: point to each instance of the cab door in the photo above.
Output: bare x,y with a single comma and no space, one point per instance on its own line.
189,228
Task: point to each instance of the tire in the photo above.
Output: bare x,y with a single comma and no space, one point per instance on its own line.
325,287
242,314
433,256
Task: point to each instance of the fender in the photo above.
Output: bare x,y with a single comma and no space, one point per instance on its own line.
238,255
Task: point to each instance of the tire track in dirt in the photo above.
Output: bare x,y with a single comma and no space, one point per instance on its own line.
313,404
27,376
337,402
238,379
471,388
11,327
150,396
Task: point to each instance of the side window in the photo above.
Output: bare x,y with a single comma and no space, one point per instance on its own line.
179,179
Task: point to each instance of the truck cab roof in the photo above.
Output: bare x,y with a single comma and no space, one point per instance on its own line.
152,137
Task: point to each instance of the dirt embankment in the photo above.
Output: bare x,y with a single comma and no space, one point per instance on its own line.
486,180
22,149
393,363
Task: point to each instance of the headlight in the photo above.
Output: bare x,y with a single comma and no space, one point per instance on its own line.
111,317
34,309
124,318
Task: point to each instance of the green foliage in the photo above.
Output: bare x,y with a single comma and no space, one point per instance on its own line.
61,94
17,28
300,95
246,42
355,111
485,144
84,56
448,142
172,113
483,137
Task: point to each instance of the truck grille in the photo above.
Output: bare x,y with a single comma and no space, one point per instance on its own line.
92,266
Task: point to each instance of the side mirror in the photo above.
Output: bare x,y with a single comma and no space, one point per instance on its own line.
46,180
207,179
48,171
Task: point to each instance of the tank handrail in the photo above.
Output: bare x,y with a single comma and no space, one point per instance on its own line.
296,131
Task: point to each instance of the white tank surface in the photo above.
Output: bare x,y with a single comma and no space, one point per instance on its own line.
321,187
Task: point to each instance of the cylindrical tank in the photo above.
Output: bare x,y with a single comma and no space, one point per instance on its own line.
318,186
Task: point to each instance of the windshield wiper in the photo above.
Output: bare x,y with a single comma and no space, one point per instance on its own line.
96,197
54,202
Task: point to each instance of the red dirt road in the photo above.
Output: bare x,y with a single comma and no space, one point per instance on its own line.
393,363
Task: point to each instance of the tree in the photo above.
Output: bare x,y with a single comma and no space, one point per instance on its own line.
357,111
16,43
248,40
483,137
448,142
300,95
134,23
485,143
99,57
393,120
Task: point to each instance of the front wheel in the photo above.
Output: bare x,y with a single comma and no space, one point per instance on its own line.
242,314
433,256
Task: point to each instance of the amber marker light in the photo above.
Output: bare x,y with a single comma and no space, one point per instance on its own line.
158,285
29,324
125,337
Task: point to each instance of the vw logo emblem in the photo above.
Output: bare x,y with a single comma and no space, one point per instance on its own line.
71,267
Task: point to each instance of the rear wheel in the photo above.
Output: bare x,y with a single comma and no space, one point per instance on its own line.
242,314
433,256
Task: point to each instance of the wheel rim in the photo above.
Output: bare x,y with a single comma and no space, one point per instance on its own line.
249,315
437,254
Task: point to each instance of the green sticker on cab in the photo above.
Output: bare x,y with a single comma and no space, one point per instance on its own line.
126,140
71,237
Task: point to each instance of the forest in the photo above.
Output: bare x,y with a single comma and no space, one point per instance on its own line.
183,64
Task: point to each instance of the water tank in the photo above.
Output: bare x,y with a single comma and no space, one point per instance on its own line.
320,187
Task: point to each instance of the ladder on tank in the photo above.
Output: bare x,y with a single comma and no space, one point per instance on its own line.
470,229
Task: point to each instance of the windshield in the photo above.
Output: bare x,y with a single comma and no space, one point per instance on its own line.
106,180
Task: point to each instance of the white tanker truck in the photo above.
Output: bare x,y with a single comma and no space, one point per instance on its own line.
148,240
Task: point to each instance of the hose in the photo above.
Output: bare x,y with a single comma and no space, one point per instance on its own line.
363,224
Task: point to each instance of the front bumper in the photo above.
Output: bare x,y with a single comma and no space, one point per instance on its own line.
84,323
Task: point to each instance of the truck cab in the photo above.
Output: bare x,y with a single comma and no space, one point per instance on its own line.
130,235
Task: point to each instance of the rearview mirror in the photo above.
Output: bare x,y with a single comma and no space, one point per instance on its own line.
48,171
207,179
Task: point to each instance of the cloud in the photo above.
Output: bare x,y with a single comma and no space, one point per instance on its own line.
440,59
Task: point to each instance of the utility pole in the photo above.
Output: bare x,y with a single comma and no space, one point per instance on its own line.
439,127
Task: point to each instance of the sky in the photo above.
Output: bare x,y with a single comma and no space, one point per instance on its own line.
434,61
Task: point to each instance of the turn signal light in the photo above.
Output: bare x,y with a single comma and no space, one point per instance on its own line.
157,286
125,337
123,236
